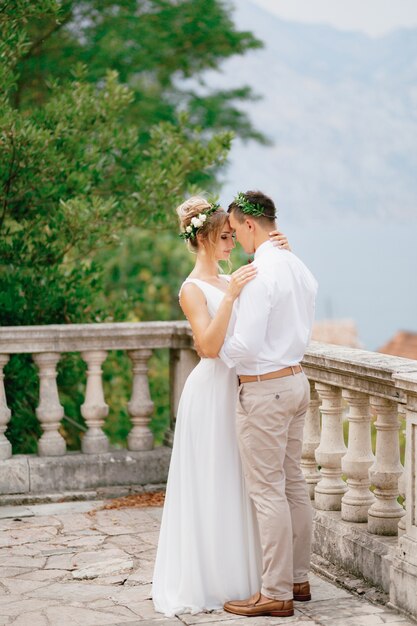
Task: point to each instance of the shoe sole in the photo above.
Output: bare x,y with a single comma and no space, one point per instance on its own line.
304,598
288,613
281,613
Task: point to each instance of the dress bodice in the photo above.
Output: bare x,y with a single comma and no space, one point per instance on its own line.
213,296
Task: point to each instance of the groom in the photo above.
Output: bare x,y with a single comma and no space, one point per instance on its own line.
274,319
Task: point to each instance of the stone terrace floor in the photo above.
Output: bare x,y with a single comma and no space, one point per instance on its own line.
79,564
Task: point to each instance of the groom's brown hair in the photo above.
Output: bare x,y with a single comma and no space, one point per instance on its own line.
256,198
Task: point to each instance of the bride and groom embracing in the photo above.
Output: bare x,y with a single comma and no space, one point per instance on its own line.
236,525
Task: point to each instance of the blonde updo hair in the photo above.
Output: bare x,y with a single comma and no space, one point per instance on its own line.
211,229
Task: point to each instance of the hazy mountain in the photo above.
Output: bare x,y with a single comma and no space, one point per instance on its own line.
341,111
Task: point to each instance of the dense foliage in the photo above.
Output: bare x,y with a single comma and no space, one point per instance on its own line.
98,142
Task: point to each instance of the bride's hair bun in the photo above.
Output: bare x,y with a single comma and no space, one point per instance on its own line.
191,208
212,227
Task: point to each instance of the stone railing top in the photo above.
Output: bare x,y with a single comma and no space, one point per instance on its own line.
106,336
370,372
350,368
407,381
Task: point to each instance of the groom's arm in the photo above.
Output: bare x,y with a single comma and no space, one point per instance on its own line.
251,325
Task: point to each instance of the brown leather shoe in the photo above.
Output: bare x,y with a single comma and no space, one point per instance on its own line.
301,592
253,607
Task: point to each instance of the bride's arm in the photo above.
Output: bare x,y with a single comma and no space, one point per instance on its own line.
210,332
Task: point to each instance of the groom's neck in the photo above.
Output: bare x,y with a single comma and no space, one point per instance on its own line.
260,238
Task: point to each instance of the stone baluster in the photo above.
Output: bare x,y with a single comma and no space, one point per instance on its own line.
5,413
94,410
402,489
404,564
311,440
385,513
410,473
329,491
140,406
181,362
358,459
50,411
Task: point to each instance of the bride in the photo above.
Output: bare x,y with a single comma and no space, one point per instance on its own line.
208,548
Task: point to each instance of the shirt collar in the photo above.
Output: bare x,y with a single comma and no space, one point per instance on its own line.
266,245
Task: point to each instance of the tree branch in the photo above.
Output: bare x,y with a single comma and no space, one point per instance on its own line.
40,40
36,44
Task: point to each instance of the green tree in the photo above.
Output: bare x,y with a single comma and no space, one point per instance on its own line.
153,45
74,175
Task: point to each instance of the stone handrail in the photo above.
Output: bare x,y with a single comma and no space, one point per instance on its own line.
345,384
106,336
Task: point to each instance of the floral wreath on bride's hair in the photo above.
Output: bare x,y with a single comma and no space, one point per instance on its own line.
247,207
198,221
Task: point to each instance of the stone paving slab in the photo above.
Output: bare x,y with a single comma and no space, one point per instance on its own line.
77,564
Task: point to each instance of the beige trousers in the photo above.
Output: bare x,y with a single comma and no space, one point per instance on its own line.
270,422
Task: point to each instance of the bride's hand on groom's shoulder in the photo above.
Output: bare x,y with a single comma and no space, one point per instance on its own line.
240,278
279,239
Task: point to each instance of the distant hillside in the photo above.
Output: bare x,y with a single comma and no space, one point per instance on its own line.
341,110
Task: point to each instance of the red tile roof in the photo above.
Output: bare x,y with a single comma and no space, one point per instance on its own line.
404,343
340,332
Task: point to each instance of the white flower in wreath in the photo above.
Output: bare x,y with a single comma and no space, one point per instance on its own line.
195,221
189,229
202,217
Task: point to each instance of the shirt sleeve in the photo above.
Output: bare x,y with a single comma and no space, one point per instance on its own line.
252,320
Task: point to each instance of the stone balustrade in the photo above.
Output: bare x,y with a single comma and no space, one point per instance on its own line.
93,341
98,466
355,489
354,385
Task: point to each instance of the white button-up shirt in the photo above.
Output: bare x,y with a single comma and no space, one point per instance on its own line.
275,313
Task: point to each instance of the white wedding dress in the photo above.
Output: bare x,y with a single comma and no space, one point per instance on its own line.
208,550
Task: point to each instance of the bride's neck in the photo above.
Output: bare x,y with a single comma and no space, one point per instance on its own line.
205,267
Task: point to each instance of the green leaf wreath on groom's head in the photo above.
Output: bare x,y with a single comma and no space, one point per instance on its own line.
249,208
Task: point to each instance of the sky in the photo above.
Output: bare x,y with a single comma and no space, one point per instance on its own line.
364,265
372,17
